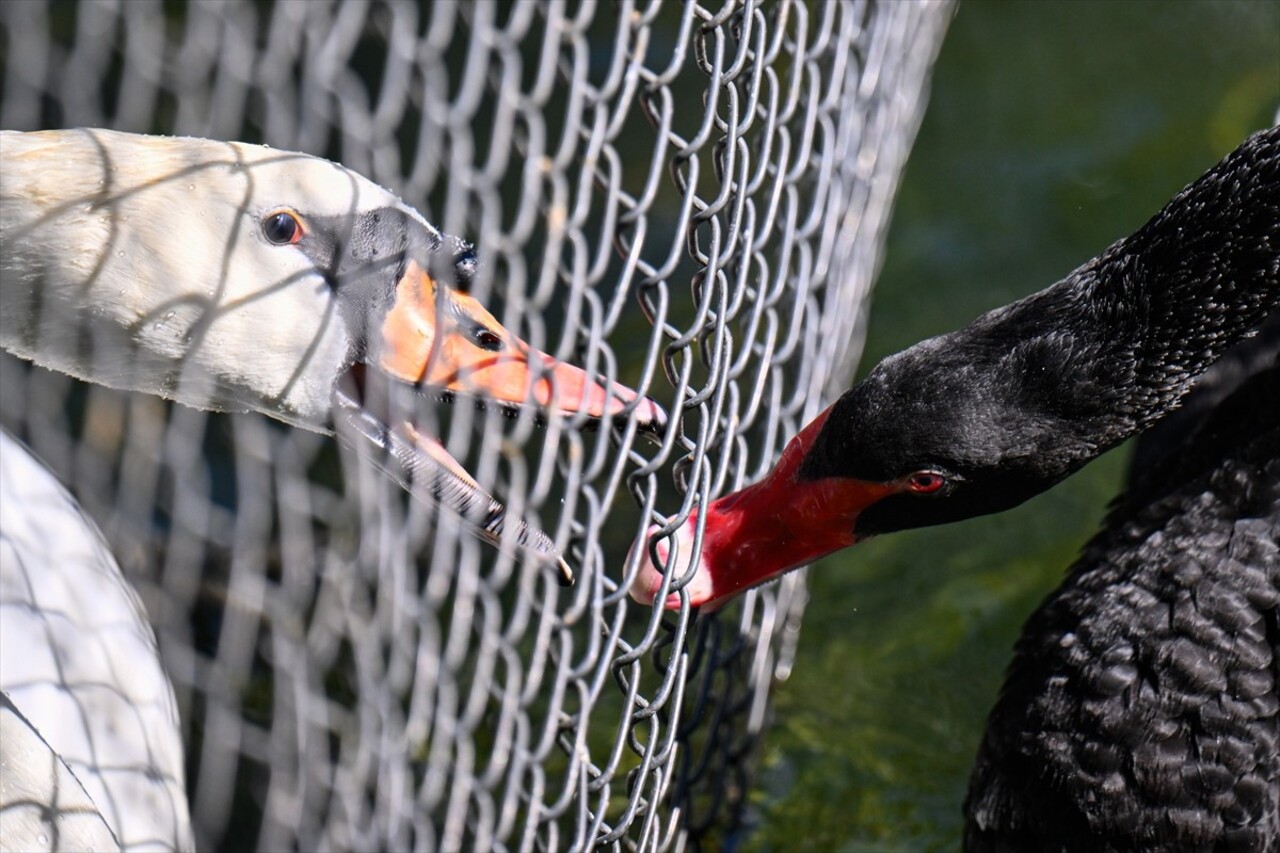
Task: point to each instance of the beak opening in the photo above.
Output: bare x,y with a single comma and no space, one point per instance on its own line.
422,467
440,342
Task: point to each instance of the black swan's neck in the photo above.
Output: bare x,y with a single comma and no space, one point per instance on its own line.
1203,273
1031,391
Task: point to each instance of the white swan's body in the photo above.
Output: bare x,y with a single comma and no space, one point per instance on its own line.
43,807
79,660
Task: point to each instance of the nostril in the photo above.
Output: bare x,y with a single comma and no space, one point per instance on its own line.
649,577
661,549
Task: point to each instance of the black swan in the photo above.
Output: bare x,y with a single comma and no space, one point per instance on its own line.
1141,709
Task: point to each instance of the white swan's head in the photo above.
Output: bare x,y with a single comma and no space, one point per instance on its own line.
234,276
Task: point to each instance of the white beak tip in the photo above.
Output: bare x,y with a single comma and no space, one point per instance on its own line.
648,583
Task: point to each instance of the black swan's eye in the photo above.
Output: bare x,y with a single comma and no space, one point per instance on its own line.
464,269
282,228
487,340
925,482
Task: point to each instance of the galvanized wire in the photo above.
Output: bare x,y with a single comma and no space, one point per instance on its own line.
687,197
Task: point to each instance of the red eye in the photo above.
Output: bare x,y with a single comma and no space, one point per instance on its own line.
282,228
926,482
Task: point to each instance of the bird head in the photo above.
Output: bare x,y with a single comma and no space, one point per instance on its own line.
933,434
232,276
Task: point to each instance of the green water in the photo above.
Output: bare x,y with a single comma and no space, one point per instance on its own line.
1054,128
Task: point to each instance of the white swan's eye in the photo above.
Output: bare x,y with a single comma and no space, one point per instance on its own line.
282,228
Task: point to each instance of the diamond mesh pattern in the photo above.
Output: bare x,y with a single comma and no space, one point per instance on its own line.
689,198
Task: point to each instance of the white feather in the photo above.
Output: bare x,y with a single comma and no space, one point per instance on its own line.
79,660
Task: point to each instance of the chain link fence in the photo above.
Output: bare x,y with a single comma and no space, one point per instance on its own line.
689,198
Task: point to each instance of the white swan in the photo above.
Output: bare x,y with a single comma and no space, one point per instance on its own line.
233,276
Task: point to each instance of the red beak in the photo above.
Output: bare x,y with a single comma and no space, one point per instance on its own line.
759,533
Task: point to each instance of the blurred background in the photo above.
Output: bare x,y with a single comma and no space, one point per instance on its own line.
1054,128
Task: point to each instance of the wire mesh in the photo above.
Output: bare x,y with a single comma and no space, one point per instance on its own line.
687,197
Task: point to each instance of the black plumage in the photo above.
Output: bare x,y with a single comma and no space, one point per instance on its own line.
1141,709
1028,393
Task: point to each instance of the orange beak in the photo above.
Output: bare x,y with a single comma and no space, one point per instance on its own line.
434,336
438,337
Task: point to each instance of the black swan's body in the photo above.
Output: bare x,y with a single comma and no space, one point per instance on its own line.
1140,712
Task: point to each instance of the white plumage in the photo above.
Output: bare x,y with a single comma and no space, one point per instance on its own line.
43,806
79,660
153,246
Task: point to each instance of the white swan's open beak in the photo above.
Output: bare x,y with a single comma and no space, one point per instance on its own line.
438,339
